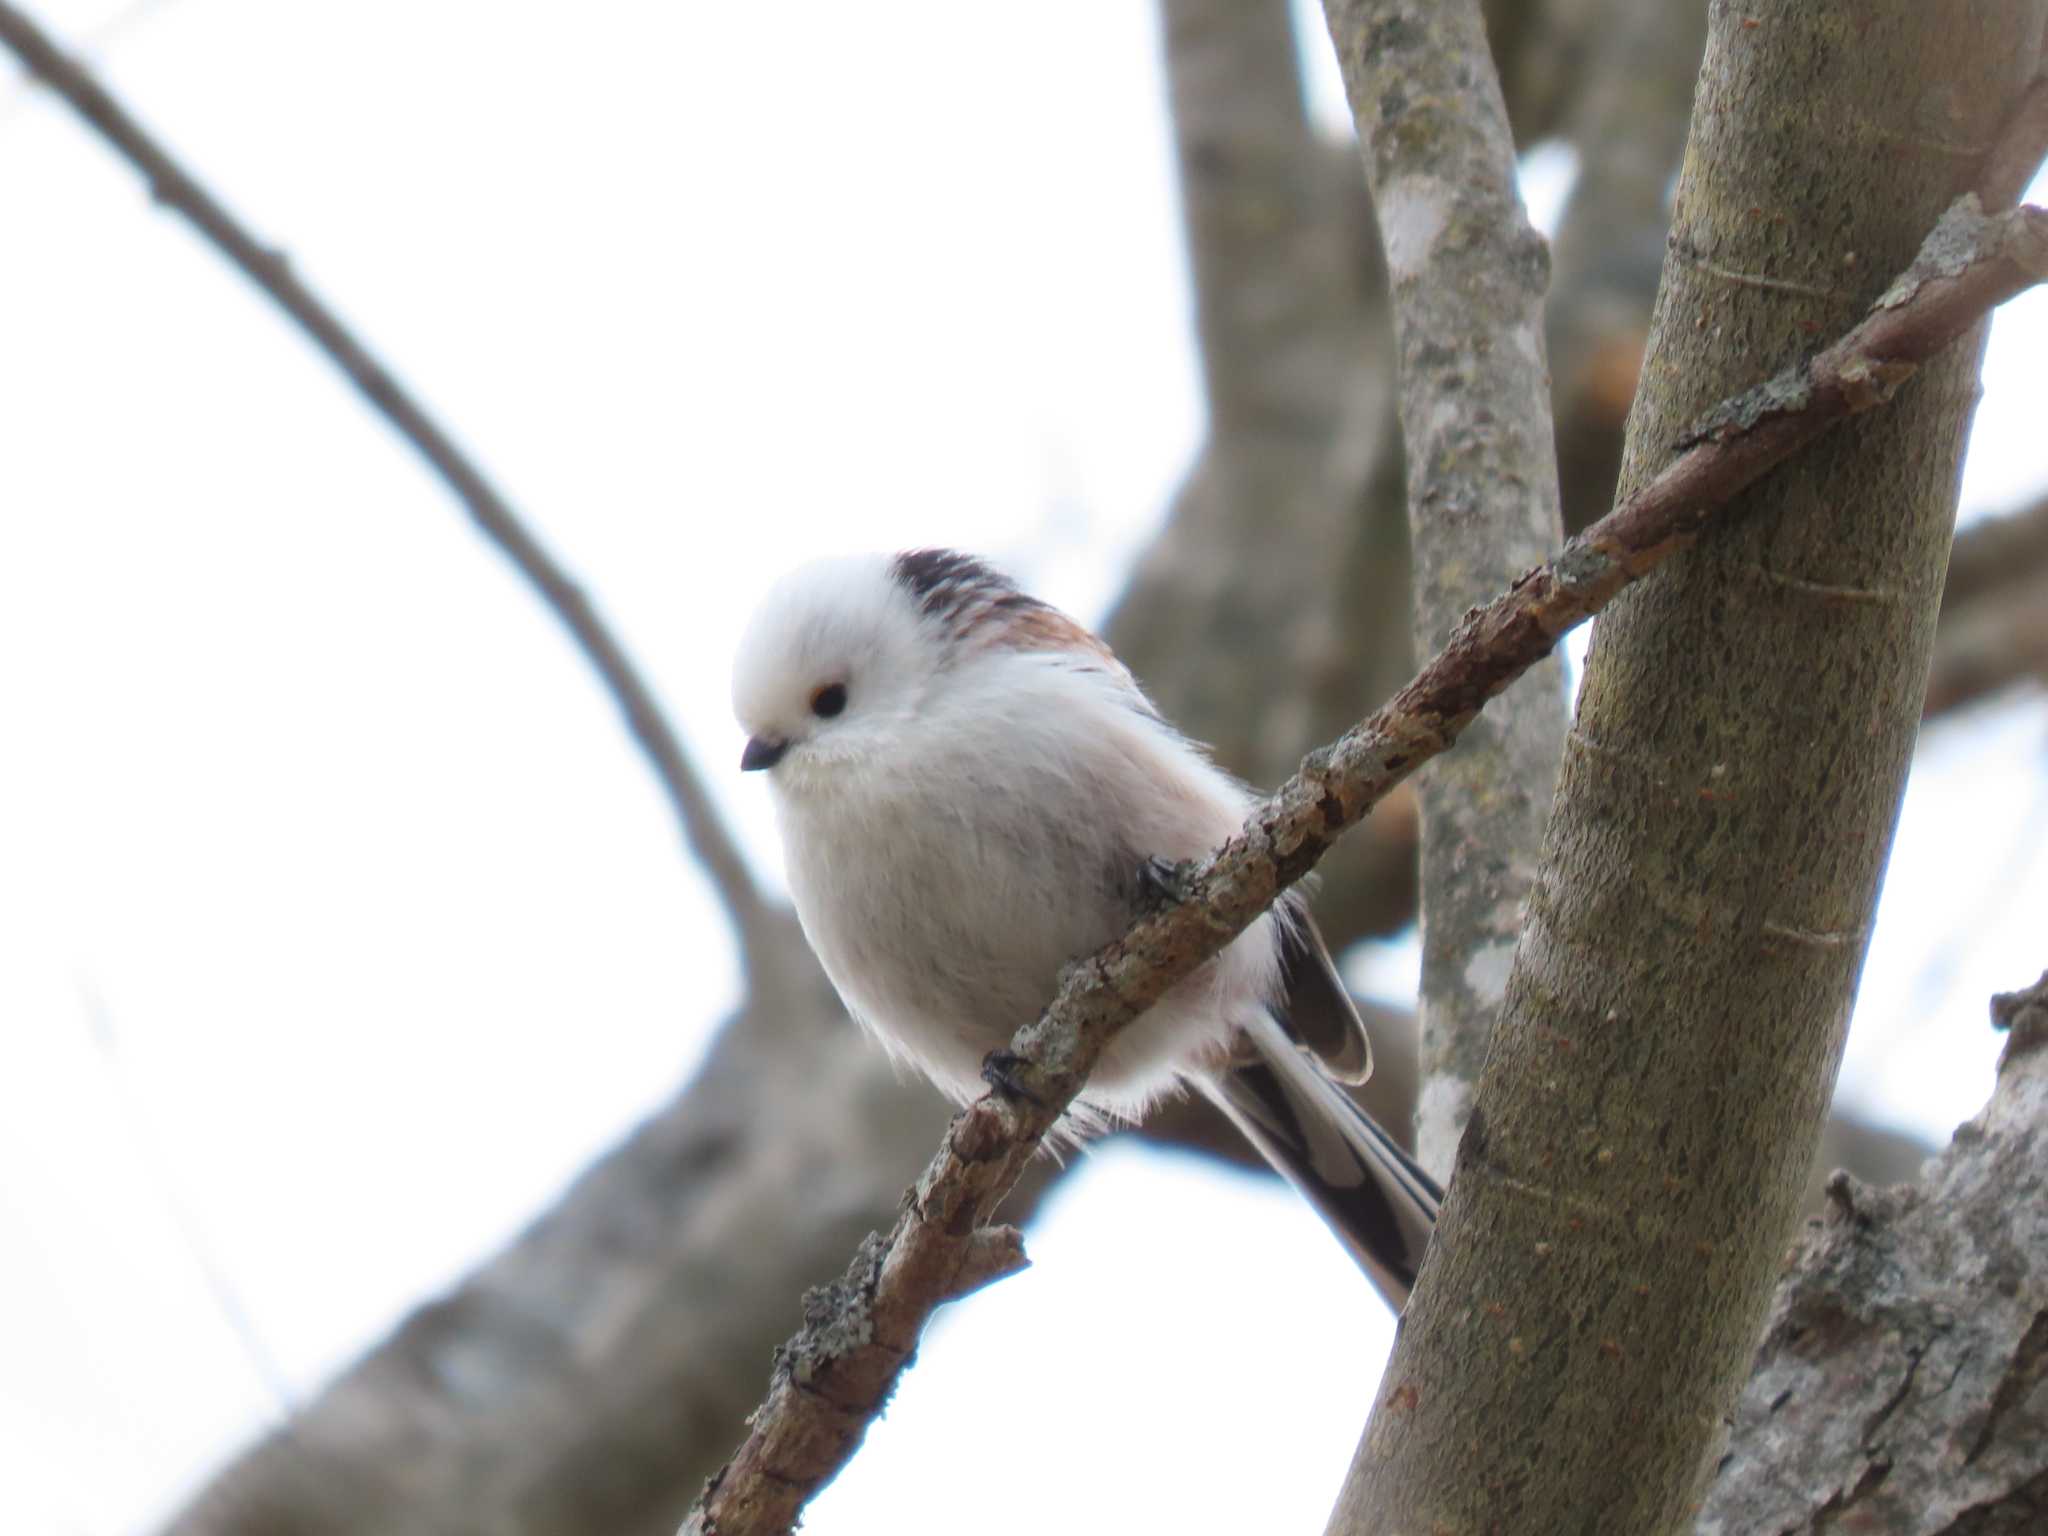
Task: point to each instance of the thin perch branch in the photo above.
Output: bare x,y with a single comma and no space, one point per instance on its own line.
171,185
837,1374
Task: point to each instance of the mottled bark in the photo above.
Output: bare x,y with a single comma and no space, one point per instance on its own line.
1661,1070
1902,1388
1467,275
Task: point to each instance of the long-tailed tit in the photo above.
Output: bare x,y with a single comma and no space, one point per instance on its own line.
972,792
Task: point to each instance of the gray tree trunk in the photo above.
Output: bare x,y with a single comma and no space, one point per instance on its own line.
1661,1071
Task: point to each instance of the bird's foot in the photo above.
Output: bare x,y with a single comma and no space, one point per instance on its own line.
1163,883
1000,1070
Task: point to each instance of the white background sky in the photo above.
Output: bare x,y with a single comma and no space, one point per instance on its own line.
342,923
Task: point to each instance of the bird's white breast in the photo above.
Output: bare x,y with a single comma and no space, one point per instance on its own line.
944,887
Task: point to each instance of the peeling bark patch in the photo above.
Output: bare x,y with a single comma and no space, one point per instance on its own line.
1413,211
1486,972
1441,1111
1868,381
1956,241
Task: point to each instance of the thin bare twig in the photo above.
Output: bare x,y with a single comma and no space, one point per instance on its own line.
171,185
1467,274
835,1376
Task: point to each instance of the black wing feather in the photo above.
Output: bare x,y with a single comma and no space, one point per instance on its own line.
1318,1011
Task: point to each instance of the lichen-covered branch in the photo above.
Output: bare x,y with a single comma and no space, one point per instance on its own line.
1902,1387
1467,274
838,1373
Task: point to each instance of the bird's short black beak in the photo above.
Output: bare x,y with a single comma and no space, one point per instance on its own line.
762,752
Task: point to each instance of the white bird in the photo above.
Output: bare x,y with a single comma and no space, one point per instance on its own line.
973,791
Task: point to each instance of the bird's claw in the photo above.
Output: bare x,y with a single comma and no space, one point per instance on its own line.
1163,882
999,1069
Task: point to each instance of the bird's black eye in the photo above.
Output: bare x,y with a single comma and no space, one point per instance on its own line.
828,700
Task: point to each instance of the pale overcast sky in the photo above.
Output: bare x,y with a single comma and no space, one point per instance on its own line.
345,924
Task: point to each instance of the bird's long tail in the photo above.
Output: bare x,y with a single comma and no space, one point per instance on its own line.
1375,1197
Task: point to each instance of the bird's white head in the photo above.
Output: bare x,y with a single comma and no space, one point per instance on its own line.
837,656
850,660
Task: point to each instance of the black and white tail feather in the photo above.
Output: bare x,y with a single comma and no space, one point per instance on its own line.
1374,1197
1282,1092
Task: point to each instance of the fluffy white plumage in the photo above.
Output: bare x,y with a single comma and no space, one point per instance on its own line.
969,786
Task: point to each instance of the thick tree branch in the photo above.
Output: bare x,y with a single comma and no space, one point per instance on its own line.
1902,1388
1660,1072
174,187
836,1375
1467,275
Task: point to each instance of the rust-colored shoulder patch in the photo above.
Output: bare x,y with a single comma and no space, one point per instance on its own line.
1035,626
979,605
